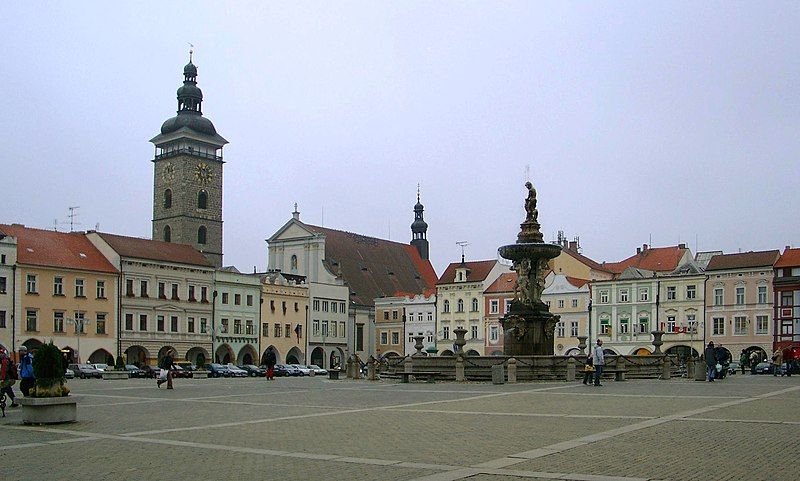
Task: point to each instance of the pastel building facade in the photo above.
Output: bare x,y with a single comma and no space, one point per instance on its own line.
237,304
8,261
787,300
568,297
285,318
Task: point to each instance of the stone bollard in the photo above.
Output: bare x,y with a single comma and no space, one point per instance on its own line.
512,371
689,367
356,366
348,367
700,372
620,366
665,368
460,369
371,368
570,369
408,365
498,376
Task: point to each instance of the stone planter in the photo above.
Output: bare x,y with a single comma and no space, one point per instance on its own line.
49,410
116,375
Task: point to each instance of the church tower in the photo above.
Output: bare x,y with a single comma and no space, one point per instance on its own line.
419,230
187,183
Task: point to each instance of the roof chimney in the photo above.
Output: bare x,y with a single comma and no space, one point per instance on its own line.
644,247
638,250
787,248
681,246
573,246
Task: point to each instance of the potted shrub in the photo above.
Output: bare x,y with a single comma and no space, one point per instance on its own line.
49,401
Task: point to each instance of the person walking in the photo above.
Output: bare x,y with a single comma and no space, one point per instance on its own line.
788,358
744,359
8,377
588,370
27,378
270,361
710,356
166,365
754,360
777,360
599,360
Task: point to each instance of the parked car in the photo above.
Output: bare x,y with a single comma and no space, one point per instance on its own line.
764,368
253,371
178,371
218,370
236,372
186,365
84,371
318,370
292,370
304,370
69,374
150,371
281,370
734,366
100,366
134,372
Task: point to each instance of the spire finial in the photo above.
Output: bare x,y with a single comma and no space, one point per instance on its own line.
191,51
417,192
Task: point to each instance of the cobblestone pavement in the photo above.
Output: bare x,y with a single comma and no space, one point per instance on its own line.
305,428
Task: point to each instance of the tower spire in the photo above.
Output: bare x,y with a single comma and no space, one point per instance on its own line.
419,229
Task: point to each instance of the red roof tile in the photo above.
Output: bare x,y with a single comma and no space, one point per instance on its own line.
374,267
507,282
46,248
743,260
657,259
577,282
478,270
138,248
789,258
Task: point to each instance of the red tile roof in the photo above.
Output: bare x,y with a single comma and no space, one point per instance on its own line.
743,260
577,282
138,248
657,259
374,267
789,258
507,282
478,270
68,250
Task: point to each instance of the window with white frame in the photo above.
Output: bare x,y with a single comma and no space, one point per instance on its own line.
325,332
740,325
644,294
644,324
58,322
101,289
446,332
494,306
474,305
762,294
79,288
671,293
624,324
395,337
762,324
691,323
604,297
671,324
474,331
446,306
58,286
560,329
740,295
334,326
430,316
460,305
31,320
623,295
573,329
30,285
718,296
561,303
100,323
315,305
494,333
384,337
342,329
718,326
315,327
605,326
691,291
507,305
574,303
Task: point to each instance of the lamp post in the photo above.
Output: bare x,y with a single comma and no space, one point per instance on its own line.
80,324
589,310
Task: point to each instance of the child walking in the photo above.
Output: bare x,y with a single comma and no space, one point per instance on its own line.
588,370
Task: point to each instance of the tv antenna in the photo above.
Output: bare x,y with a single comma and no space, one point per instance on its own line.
73,214
463,245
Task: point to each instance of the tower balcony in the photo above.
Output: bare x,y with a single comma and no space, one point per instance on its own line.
187,151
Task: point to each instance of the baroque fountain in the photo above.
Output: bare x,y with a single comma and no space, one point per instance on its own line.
528,325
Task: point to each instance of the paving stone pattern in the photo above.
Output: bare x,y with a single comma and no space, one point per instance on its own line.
306,428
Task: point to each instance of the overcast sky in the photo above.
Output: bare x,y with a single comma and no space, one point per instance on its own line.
674,121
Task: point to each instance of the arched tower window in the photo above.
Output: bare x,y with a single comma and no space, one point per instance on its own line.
202,200
201,235
474,305
167,234
294,263
168,198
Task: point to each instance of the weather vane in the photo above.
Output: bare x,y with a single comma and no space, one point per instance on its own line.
191,51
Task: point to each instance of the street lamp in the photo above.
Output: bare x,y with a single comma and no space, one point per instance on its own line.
79,324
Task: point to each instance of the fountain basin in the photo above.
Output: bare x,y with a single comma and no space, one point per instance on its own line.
529,250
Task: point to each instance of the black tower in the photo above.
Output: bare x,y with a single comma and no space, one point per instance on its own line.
419,230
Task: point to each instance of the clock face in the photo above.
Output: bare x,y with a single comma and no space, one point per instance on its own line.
169,172
203,173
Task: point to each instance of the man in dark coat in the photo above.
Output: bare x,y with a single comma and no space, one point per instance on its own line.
166,364
270,362
710,356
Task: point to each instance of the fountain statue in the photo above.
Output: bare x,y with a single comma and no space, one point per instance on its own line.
528,325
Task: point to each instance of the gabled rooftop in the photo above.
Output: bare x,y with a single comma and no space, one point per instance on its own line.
507,282
477,271
743,260
789,258
658,259
138,248
47,248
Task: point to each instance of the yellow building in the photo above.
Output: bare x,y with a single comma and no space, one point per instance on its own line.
284,317
66,292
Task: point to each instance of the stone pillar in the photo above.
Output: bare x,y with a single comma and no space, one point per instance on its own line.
408,365
700,372
371,375
620,365
498,376
690,367
356,366
419,346
460,368
665,368
582,344
570,369
349,367
512,371
657,342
